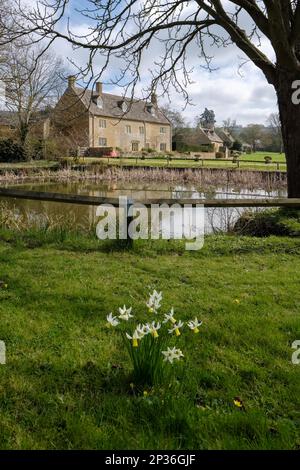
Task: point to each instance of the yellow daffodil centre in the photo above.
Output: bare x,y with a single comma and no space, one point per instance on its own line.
177,332
196,330
155,334
173,320
151,310
135,343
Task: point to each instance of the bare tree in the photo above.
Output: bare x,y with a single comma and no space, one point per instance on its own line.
125,29
229,125
275,125
175,117
33,81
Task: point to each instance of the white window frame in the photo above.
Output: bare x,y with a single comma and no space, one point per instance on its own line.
164,149
128,129
142,130
163,130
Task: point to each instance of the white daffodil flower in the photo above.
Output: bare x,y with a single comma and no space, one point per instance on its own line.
142,330
136,336
169,317
154,301
194,324
111,320
152,328
125,313
176,328
172,354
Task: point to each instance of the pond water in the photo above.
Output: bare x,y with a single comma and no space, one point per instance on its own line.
216,219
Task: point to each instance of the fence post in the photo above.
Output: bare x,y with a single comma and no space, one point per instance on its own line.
128,242
278,166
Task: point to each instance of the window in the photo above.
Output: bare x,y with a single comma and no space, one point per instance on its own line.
142,130
102,142
163,147
163,130
135,146
128,129
102,123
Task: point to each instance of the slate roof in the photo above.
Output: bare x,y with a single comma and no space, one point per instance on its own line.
226,136
207,136
137,109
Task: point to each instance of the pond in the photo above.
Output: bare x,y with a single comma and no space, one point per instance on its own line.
216,219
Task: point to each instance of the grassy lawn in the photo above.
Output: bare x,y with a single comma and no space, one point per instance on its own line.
66,384
185,163
259,156
28,165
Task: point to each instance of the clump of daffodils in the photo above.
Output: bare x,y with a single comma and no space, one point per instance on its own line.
151,344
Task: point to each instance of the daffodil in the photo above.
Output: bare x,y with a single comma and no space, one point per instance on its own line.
154,302
125,313
142,330
152,328
194,324
136,336
176,328
172,354
169,317
111,320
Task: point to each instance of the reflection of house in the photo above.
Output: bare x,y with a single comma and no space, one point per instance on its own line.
97,119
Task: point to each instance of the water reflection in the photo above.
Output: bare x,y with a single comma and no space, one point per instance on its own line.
215,218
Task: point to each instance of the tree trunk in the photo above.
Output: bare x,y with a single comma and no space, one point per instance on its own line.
290,121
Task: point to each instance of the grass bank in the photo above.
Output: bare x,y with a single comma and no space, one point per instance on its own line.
66,383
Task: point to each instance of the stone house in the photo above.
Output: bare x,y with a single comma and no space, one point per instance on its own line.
199,139
98,120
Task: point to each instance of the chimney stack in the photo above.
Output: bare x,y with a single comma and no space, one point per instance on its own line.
154,98
98,88
71,81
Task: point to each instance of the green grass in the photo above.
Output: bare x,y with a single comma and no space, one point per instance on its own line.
157,162
66,381
28,165
259,156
